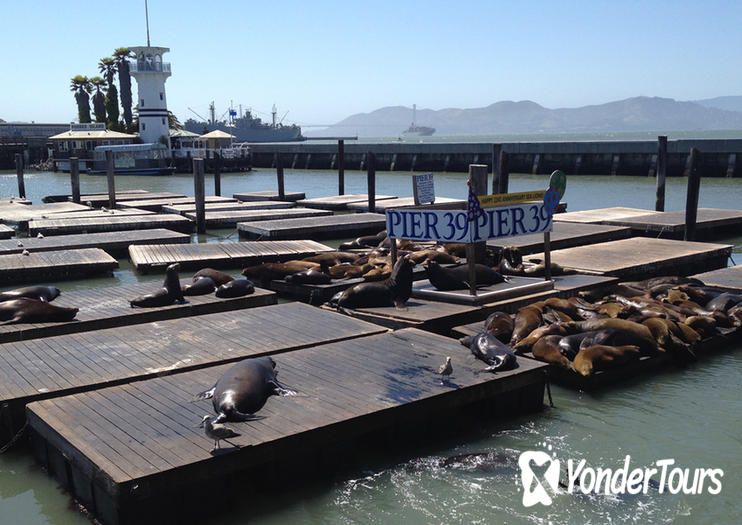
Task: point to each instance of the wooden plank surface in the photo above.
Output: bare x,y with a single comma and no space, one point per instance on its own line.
730,277
6,232
641,257
599,215
53,265
564,235
107,307
113,243
20,214
181,209
673,222
338,202
101,212
222,255
402,202
147,428
157,204
329,227
229,219
66,226
268,195
101,199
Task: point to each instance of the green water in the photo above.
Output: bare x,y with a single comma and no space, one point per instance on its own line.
691,415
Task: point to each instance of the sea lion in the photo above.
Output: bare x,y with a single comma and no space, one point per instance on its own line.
309,277
394,291
243,389
547,349
600,357
527,342
491,350
366,241
458,278
434,255
40,293
527,320
235,288
569,346
266,272
201,286
703,324
25,310
218,277
500,325
631,333
330,258
165,296
724,301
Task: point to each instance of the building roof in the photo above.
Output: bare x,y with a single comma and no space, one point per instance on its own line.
107,134
217,134
182,133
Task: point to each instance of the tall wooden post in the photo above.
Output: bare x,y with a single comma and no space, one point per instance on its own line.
691,200
199,194
504,173
659,203
341,167
75,179
111,182
475,252
371,178
496,150
279,177
19,173
217,174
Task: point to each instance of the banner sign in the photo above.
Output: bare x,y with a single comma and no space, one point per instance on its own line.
502,199
453,226
423,189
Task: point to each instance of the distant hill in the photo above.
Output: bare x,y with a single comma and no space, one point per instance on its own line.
507,117
733,103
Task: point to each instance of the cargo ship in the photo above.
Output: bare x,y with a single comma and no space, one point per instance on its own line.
246,127
417,131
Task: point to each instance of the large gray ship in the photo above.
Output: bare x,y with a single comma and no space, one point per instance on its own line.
246,127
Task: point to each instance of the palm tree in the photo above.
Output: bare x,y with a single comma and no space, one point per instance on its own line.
107,66
81,87
120,57
99,104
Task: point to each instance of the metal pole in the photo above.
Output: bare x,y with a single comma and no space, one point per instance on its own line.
659,204
547,256
19,173
111,182
75,179
341,167
199,194
496,151
217,174
691,201
279,177
371,178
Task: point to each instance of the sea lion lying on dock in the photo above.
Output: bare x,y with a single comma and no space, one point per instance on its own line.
267,272
201,286
235,288
40,293
218,277
25,310
458,278
491,350
310,276
165,296
394,291
366,241
599,357
500,325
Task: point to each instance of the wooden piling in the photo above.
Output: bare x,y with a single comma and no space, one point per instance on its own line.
371,178
659,204
691,200
279,177
199,194
111,182
341,167
504,174
75,179
217,174
496,150
478,180
19,173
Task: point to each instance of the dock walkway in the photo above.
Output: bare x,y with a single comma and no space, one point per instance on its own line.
49,266
564,235
66,226
221,255
404,202
101,199
156,205
20,214
329,227
730,277
108,307
269,195
338,202
182,209
134,449
229,219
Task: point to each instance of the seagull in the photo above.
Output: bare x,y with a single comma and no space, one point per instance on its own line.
104,209
25,252
20,243
217,431
445,369
39,235
90,205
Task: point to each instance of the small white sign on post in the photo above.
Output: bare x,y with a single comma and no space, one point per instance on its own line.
423,189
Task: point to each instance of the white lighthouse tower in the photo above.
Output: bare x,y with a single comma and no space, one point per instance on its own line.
151,73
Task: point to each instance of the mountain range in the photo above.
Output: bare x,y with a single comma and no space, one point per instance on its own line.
508,117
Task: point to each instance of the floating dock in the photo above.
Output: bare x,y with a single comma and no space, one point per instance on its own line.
156,205
109,307
181,209
120,195
339,202
132,454
221,255
6,232
20,215
642,257
64,226
113,243
564,235
102,212
101,199
269,196
672,223
329,227
730,278
230,219
598,216
405,202
49,266
65,364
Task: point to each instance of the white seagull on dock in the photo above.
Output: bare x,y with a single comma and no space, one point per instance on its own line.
217,431
445,369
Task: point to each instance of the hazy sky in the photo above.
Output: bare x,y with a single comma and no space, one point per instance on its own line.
323,61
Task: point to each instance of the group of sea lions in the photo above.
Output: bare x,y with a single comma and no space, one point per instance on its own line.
599,330
204,282
31,305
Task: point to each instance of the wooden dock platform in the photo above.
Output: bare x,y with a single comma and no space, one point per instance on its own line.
599,215
404,202
564,235
328,227
114,243
672,223
220,255
339,202
181,209
120,195
20,214
230,219
730,277
54,265
108,307
642,257
127,212
269,196
157,204
101,199
132,454
66,226
77,362
6,232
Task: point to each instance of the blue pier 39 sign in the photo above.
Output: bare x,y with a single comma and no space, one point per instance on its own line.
453,226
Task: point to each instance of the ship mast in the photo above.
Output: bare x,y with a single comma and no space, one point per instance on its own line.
146,16
273,112
414,111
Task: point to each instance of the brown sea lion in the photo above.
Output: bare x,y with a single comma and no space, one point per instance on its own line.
330,258
630,333
378,273
433,255
266,272
40,293
392,292
218,277
235,288
547,349
526,321
165,296
724,301
366,241
25,310
601,357
202,286
458,278
455,248
703,324
500,325
569,346
527,342
611,309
